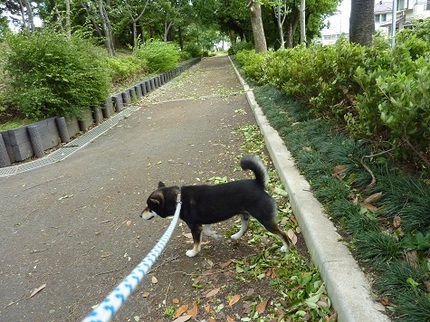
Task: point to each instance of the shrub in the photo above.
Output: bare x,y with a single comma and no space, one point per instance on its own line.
53,75
238,46
376,92
193,50
161,56
253,65
123,67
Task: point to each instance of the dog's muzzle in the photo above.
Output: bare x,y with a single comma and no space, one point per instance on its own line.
147,214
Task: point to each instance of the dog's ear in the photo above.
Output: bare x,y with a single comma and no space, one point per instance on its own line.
161,184
155,201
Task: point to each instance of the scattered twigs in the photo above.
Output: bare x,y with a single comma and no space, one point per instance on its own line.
43,182
218,271
422,157
119,226
167,292
111,271
373,182
171,259
15,302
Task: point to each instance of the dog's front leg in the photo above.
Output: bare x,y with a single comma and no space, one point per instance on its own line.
196,231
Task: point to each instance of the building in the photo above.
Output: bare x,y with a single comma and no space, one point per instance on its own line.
338,24
407,12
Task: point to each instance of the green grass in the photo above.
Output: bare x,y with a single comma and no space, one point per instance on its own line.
390,235
13,124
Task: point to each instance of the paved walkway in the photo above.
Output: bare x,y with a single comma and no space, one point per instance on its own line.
72,228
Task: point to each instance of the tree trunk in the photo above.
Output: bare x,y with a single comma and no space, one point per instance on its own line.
257,27
29,22
68,24
280,14
136,21
167,27
106,29
291,22
361,22
302,22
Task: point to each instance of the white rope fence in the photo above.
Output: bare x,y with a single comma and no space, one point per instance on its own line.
108,308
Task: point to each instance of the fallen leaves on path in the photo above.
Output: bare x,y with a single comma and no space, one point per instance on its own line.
37,290
234,299
261,307
212,292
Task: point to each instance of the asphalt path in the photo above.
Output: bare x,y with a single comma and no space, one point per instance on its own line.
70,231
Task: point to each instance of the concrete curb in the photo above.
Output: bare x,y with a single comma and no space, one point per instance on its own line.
346,284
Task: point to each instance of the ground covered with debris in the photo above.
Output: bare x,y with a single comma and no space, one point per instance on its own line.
70,232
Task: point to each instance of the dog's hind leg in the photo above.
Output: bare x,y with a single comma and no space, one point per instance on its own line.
196,231
244,218
207,230
273,227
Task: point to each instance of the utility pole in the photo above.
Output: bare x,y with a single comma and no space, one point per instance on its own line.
393,24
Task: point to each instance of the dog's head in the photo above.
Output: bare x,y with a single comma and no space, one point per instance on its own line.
161,202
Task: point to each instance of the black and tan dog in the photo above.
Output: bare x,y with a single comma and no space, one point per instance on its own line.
208,204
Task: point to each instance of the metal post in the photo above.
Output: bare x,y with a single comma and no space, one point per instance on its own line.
393,24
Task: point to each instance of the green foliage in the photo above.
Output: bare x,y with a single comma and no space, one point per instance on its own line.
417,241
161,56
253,64
50,74
406,286
124,67
375,92
391,235
377,248
239,46
409,198
193,50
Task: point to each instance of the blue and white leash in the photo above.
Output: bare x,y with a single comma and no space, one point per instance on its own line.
108,308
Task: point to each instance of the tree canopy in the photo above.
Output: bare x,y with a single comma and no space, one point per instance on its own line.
121,23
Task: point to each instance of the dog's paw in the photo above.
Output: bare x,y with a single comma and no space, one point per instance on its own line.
191,253
236,236
284,249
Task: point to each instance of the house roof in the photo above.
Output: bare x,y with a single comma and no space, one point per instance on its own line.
383,6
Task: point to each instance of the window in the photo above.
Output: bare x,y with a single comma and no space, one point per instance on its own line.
384,16
377,18
428,5
400,4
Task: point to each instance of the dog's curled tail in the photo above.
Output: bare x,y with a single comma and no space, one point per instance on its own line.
253,163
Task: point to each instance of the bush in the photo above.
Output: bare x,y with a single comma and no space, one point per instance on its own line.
124,67
51,75
161,56
238,46
253,65
193,50
375,92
